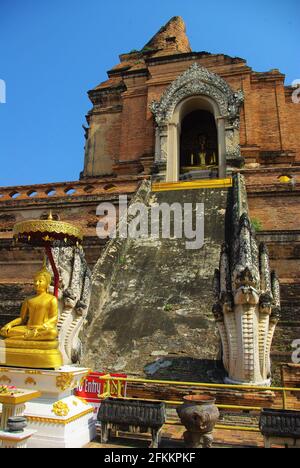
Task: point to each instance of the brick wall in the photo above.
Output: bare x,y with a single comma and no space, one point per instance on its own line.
269,119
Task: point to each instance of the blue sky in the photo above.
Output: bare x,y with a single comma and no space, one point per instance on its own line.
53,51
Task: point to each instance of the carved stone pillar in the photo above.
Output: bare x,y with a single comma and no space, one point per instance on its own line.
161,142
74,299
233,152
173,155
157,145
248,294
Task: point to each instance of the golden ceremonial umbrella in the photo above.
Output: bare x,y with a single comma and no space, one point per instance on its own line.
48,233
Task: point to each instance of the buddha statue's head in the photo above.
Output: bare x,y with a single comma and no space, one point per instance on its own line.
202,140
42,280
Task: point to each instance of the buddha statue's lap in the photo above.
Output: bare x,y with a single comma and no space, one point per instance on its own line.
32,335
32,339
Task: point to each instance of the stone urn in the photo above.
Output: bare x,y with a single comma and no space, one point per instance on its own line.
16,424
199,415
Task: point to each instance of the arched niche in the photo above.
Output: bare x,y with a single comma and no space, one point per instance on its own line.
182,110
198,144
196,89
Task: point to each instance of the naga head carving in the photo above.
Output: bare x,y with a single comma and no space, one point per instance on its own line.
69,299
246,295
245,277
275,315
81,309
265,304
218,312
227,302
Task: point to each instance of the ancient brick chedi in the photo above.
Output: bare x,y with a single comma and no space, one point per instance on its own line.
169,114
121,135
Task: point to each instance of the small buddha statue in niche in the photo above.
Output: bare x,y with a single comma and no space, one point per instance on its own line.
199,156
32,339
202,140
202,156
213,159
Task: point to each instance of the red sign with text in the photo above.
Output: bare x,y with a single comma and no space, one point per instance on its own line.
92,387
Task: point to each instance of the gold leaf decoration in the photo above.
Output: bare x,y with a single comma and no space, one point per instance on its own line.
64,381
60,409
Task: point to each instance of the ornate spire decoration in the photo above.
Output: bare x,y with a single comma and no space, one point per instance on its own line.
247,293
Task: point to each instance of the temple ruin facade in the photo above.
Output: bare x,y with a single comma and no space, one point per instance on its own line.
173,125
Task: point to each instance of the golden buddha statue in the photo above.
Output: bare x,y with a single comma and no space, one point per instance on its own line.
202,157
32,339
198,157
202,150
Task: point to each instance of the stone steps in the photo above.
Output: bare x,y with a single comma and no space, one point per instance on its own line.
152,305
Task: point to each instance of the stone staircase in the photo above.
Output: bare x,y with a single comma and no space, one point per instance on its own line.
152,298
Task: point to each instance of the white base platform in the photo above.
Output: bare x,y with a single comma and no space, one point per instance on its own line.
60,419
15,439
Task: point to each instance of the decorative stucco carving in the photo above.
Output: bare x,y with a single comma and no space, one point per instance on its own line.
247,293
74,299
198,80
234,103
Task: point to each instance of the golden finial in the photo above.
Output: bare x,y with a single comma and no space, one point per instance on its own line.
50,216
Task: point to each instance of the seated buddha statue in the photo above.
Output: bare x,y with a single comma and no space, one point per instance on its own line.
32,339
199,155
202,150
202,155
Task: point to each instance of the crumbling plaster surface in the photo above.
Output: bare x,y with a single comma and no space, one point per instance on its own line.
152,299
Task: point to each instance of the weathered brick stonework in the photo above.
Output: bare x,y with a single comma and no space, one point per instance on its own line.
119,155
75,202
122,126
11,297
288,328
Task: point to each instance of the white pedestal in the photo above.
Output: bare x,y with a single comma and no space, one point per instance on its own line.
15,440
60,419
13,404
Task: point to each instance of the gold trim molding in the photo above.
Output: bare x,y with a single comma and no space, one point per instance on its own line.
64,422
64,381
193,185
